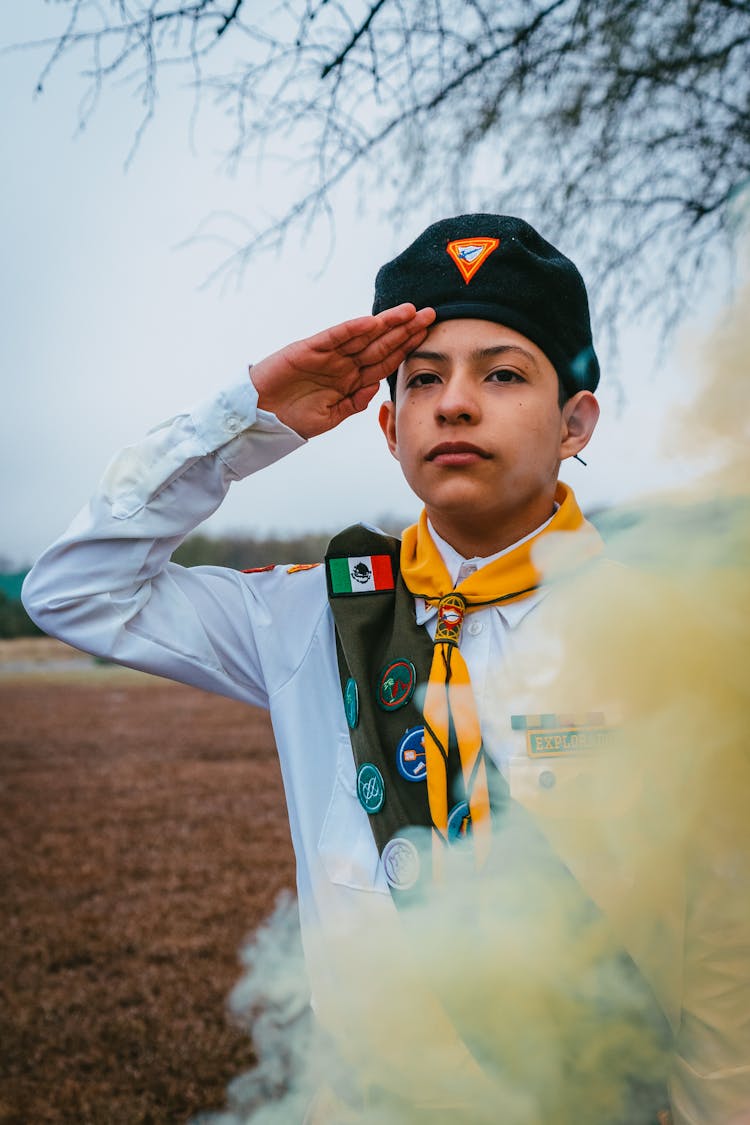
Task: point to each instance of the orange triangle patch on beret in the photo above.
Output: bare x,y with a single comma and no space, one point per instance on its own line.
470,254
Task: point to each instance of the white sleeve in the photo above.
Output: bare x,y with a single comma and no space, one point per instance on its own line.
107,586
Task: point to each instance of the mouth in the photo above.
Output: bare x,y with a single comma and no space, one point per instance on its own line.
457,453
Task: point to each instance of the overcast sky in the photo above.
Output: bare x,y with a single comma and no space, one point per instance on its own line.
106,328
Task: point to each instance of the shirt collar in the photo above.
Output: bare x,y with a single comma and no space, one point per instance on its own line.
459,568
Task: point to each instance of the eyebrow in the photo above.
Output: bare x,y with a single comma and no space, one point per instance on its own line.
476,356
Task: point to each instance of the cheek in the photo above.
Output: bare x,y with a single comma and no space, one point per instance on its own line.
545,428
535,443
407,432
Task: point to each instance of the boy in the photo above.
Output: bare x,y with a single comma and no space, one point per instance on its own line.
379,669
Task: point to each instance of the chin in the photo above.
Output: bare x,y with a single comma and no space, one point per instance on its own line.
462,509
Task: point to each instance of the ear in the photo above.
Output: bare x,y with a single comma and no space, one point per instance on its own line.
387,420
579,417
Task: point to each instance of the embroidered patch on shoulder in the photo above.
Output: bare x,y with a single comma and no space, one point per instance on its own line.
301,566
470,254
259,569
360,574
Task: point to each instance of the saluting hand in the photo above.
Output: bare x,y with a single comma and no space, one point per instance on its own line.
314,384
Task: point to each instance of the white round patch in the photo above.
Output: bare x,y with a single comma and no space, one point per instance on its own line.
400,863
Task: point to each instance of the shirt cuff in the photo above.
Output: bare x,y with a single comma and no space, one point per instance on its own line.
245,437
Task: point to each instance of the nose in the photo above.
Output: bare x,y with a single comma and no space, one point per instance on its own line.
458,400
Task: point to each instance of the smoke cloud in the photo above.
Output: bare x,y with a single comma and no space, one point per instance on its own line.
604,951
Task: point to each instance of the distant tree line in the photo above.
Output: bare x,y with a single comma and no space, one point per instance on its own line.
241,553
14,620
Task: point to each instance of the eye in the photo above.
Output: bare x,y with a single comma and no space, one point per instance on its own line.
505,375
422,379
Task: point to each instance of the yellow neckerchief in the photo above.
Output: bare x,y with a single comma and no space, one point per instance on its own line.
449,708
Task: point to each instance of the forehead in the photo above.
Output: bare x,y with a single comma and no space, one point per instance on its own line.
463,340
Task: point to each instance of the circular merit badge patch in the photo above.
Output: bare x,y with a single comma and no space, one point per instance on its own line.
410,755
400,863
351,702
396,684
459,822
370,788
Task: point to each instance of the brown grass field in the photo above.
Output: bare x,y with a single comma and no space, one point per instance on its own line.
144,837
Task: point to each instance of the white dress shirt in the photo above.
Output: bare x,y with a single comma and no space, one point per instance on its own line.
107,586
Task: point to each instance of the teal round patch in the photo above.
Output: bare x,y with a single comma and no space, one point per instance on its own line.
370,788
351,702
459,822
396,684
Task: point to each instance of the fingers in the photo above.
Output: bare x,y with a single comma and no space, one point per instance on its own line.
363,397
353,336
392,332
353,404
383,356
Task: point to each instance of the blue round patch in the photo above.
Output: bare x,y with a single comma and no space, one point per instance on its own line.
410,755
396,684
351,702
370,788
459,822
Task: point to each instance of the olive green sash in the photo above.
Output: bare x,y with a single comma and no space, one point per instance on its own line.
374,632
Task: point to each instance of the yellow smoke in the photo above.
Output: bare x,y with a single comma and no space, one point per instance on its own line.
520,995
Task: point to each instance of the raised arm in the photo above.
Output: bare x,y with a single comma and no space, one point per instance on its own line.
107,585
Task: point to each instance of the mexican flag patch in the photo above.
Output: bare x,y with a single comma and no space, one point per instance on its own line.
360,574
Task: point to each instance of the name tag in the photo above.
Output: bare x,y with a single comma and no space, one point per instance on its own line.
566,740
552,735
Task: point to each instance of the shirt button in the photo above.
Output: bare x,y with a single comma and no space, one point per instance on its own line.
547,779
475,627
468,568
233,423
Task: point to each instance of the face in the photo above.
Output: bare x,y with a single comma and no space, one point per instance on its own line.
479,433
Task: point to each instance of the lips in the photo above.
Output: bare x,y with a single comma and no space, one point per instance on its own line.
457,452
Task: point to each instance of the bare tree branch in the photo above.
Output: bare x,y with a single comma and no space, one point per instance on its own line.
363,28
229,19
621,129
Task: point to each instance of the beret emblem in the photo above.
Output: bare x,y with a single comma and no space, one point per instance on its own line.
470,254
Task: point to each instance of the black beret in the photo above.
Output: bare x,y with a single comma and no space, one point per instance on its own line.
495,267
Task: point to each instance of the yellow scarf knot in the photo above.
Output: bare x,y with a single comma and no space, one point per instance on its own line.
450,618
